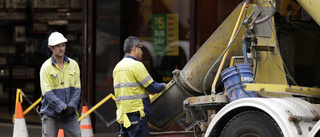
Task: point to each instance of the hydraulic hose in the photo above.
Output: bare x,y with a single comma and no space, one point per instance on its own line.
272,12
244,50
225,52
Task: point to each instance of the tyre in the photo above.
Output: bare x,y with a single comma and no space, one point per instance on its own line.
251,124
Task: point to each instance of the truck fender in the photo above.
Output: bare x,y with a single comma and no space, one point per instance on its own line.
315,130
279,109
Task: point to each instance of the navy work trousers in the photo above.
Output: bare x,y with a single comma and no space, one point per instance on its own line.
138,128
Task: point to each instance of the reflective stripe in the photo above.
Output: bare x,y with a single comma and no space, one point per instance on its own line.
123,85
134,122
139,96
136,84
85,126
145,81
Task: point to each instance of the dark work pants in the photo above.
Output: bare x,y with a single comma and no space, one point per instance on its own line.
138,128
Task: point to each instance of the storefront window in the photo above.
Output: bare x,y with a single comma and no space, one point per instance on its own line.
164,28
162,25
107,54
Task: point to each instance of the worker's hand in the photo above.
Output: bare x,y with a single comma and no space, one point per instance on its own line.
62,114
69,111
164,85
152,94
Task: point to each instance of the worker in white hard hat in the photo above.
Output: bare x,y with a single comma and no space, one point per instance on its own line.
61,89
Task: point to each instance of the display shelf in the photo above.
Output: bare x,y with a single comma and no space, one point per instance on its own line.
57,9
24,28
12,14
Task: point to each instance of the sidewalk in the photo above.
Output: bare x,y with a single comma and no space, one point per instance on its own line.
6,130
33,123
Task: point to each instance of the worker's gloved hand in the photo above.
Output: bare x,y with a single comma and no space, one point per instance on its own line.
62,115
69,111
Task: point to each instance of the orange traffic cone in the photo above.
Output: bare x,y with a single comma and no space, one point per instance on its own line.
61,133
85,124
20,127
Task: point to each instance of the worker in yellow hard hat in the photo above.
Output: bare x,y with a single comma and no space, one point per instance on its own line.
61,89
132,85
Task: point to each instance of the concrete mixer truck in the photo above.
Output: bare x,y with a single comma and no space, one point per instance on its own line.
236,84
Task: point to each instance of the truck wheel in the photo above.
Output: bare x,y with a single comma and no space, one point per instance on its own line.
251,124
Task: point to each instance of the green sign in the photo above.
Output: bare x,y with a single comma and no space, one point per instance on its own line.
165,34
159,34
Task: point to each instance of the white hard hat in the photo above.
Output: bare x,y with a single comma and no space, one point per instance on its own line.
56,38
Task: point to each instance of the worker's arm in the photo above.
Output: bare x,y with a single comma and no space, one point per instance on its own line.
47,91
146,80
54,101
155,87
75,86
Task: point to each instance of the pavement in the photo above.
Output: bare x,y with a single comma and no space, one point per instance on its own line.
33,123
6,130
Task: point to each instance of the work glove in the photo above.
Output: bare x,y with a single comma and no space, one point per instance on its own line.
69,111
62,115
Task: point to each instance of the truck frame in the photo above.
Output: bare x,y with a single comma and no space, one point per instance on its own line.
281,109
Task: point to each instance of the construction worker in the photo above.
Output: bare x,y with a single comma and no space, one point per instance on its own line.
132,85
60,86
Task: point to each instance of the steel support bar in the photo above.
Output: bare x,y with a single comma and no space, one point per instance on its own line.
285,89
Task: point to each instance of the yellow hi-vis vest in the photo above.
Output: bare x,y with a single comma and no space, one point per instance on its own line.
130,79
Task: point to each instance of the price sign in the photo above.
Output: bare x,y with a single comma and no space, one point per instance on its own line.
165,34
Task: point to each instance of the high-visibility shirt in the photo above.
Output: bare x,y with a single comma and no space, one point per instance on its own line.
130,81
59,87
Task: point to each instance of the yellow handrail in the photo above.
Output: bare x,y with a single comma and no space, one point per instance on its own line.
19,96
97,105
32,106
